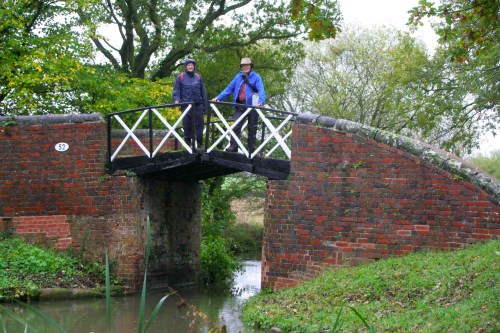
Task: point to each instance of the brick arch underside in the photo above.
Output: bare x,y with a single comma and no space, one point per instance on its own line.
350,200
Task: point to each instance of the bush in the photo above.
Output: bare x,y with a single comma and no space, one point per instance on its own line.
221,236
218,263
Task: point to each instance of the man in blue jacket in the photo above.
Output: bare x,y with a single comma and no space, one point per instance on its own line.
189,87
245,84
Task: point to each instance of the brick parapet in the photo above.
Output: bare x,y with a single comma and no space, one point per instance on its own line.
435,156
351,198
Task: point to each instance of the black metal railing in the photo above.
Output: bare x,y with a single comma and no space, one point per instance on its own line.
158,129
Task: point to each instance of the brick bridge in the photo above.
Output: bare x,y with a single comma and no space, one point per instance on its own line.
349,194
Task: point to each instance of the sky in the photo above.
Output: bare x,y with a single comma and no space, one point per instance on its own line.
385,12
395,13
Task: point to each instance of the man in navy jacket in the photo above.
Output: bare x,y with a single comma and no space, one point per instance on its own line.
245,84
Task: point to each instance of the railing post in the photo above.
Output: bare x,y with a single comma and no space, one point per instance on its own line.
151,146
263,132
193,126
109,138
207,130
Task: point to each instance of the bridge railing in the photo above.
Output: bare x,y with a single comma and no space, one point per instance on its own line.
158,129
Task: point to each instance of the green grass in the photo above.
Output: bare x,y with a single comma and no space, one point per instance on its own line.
246,239
424,292
25,268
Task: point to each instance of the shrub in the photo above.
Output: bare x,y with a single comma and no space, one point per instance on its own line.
218,263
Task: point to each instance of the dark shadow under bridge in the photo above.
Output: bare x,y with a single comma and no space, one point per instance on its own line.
149,142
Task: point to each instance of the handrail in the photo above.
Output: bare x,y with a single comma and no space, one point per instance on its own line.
273,130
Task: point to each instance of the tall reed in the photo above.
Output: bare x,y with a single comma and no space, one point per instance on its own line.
141,328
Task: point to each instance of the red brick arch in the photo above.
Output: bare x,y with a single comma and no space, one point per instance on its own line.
356,194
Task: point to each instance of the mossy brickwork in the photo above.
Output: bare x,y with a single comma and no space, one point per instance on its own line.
356,194
66,200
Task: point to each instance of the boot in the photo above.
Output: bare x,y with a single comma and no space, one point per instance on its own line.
199,146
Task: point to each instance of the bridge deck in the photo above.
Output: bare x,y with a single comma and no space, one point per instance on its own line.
185,166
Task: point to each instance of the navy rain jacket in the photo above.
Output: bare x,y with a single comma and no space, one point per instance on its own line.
190,89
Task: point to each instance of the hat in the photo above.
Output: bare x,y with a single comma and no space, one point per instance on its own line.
189,61
246,61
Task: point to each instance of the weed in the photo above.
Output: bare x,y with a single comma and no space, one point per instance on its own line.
7,229
103,178
129,173
8,122
358,165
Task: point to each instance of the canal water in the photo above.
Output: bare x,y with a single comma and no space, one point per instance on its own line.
175,316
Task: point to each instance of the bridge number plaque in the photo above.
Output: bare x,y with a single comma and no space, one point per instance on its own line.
62,146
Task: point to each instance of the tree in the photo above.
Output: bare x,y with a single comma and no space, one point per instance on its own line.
469,39
32,45
386,79
154,35
360,76
274,61
49,66
46,66
467,28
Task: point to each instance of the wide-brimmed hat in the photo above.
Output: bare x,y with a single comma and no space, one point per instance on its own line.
246,61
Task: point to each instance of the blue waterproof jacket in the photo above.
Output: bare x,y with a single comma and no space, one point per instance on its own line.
190,89
235,85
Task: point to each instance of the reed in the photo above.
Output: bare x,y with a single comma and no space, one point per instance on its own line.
143,326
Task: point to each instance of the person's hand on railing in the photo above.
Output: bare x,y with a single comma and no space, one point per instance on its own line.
176,102
215,100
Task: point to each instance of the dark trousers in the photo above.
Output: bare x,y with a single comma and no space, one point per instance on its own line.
195,114
251,117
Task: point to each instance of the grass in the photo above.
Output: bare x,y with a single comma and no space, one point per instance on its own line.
245,236
246,239
424,292
25,268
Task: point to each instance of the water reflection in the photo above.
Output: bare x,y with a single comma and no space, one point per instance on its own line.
89,315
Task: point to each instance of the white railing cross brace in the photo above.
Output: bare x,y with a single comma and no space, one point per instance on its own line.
130,133
229,130
278,144
171,130
274,132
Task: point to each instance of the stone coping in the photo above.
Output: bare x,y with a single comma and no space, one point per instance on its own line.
433,155
54,119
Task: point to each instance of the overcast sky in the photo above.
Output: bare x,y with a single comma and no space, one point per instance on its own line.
385,12
395,13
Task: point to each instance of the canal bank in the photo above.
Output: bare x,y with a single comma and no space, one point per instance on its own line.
190,308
